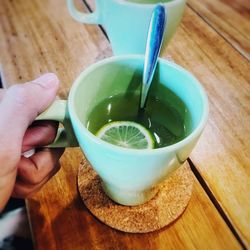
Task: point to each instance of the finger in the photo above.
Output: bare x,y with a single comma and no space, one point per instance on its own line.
39,166
40,133
30,179
2,92
24,190
20,106
7,183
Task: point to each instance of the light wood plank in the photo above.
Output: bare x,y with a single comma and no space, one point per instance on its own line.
40,36
58,218
230,18
222,155
61,221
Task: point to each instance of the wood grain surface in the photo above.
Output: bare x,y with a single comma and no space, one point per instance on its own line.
61,221
40,36
222,154
229,18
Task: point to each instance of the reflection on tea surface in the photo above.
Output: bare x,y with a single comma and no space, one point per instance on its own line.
167,124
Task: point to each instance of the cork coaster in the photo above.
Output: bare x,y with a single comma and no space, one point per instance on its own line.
167,205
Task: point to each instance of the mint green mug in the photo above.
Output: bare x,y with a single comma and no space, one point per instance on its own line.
128,175
127,21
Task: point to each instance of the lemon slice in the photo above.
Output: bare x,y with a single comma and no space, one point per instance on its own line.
126,134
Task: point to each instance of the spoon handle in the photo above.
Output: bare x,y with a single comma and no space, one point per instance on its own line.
154,42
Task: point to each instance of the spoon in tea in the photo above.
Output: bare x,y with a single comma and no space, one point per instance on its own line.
153,46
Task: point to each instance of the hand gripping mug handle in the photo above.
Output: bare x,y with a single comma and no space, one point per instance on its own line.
91,18
58,111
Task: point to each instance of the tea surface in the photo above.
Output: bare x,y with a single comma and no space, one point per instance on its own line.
166,124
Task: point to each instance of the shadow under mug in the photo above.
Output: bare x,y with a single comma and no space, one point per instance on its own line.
129,176
127,22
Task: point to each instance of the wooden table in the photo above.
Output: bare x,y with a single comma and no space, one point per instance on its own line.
213,42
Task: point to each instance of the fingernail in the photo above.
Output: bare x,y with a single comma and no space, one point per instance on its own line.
29,153
48,80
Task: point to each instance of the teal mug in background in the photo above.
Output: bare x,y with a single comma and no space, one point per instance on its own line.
129,176
126,22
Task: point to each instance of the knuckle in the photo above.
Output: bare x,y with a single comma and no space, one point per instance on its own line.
34,178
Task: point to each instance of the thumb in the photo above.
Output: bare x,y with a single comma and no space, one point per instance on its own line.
21,104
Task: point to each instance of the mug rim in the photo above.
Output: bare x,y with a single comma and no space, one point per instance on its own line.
173,147
172,2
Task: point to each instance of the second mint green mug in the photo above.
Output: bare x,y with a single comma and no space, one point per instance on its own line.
127,21
129,176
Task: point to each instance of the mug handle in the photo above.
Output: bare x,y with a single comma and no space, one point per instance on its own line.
58,111
92,18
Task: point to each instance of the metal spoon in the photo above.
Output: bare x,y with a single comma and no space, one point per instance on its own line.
154,42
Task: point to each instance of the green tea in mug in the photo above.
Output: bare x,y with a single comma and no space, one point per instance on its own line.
167,121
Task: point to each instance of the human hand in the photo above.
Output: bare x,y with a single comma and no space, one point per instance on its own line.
19,106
